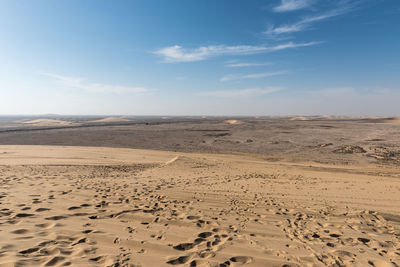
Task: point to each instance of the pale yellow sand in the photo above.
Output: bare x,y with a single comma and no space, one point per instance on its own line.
83,206
233,122
47,122
299,119
393,120
111,119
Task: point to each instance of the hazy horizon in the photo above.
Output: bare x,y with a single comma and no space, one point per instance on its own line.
192,58
184,116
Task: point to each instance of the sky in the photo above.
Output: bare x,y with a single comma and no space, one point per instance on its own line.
200,57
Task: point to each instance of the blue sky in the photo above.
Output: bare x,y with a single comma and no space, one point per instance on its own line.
200,57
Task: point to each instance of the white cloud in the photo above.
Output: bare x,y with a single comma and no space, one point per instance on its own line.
291,5
79,83
306,22
241,65
232,77
249,92
179,54
288,28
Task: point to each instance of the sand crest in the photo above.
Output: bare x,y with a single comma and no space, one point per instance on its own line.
47,122
299,118
111,119
233,122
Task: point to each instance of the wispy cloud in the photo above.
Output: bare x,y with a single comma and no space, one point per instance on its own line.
306,22
179,54
249,92
291,5
242,65
79,83
232,77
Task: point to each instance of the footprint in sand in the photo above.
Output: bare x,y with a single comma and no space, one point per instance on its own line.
104,260
379,263
180,260
205,234
55,261
42,209
74,208
199,263
56,218
241,259
20,231
24,215
45,225
184,246
29,250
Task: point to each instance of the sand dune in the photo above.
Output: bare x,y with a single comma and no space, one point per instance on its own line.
83,206
299,119
47,122
112,119
393,120
233,122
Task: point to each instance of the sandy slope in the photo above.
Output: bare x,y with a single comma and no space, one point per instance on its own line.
393,120
47,122
122,207
111,119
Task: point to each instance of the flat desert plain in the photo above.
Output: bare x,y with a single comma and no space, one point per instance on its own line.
200,192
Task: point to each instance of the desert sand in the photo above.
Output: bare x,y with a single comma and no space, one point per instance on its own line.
323,139
111,119
47,122
93,206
